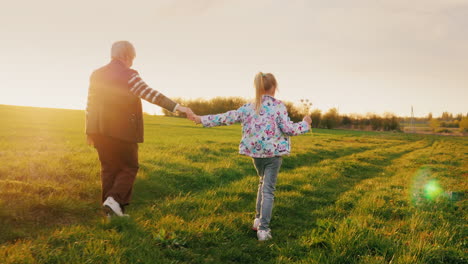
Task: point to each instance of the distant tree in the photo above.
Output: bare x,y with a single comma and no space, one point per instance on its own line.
429,117
212,106
357,121
346,121
316,116
449,123
294,113
446,116
364,121
390,122
331,119
376,122
435,124
223,104
463,125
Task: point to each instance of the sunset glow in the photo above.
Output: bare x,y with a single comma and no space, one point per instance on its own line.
375,56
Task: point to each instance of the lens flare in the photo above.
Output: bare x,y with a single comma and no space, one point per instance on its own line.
425,187
432,190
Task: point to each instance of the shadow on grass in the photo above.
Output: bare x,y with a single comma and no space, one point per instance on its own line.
302,214
179,178
291,219
25,214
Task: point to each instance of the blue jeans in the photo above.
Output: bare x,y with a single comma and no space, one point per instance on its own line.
267,169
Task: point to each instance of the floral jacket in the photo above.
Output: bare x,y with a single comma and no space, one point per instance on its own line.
264,135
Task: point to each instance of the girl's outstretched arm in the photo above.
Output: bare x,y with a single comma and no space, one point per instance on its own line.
224,119
287,126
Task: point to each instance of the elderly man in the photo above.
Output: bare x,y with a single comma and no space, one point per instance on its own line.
114,123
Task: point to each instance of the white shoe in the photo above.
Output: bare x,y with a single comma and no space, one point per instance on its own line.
256,224
112,207
263,235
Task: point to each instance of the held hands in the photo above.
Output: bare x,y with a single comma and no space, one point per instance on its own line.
196,119
185,110
190,114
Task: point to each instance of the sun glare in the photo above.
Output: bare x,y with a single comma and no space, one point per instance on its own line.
425,187
432,190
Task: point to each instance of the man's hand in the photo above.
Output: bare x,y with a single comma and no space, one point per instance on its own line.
190,114
185,110
182,109
307,119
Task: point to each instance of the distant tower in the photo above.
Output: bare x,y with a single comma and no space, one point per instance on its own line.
412,120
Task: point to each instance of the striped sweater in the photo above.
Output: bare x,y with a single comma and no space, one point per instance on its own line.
139,88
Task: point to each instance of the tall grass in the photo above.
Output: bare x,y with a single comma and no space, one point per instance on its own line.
342,197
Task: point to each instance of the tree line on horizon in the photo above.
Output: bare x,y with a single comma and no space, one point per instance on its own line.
330,119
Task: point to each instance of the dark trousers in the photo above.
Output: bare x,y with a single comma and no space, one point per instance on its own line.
119,166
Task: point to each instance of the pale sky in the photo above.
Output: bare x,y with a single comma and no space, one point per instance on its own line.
359,56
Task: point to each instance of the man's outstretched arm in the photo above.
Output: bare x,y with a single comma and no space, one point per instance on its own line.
139,88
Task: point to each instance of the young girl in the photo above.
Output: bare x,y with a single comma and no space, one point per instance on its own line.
266,128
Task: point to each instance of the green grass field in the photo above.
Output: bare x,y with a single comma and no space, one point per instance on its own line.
342,197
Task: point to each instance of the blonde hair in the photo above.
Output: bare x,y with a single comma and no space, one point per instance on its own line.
263,82
122,50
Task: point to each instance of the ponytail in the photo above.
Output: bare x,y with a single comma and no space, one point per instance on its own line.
259,91
263,83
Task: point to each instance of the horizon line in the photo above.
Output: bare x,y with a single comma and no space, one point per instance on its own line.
83,109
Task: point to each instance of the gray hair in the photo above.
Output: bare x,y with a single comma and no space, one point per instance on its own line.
122,50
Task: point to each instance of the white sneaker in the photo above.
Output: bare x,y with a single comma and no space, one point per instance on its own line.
256,224
112,207
263,235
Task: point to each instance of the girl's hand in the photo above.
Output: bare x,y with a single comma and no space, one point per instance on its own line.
307,119
196,119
